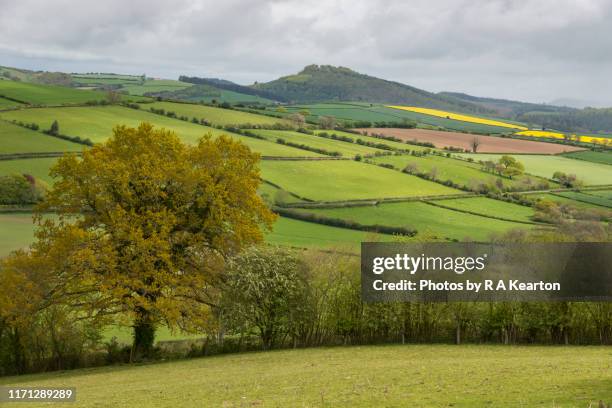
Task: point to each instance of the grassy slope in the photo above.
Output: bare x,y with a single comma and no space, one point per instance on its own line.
427,219
97,123
545,166
307,234
379,113
343,179
16,139
154,85
564,200
38,168
47,94
16,231
364,376
6,103
217,116
595,157
489,207
592,199
458,171
345,148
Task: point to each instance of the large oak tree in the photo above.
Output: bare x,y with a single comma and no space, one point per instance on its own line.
144,224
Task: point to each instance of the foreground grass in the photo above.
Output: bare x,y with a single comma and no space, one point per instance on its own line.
390,376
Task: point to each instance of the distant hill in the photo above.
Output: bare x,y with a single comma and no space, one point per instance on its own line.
562,118
506,108
325,83
233,87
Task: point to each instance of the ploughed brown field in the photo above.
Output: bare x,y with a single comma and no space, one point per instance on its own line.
488,144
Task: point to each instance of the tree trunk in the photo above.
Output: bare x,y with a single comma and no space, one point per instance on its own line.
458,334
144,336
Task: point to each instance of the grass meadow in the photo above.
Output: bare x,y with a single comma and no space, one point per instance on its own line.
217,116
17,139
595,157
36,94
360,376
345,148
544,166
428,220
346,180
39,168
491,208
97,123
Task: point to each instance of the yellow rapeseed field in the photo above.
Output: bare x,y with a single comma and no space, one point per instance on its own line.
556,135
456,116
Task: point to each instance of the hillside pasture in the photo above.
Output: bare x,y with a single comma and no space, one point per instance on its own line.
587,198
36,94
564,200
216,116
430,221
595,157
153,85
545,166
371,139
17,139
334,180
459,117
490,208
354,111
97,123
458,171
488,144
346,149
38,168
302,234
359,376
16,231
8,104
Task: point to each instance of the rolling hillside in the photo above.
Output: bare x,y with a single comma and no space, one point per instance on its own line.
327,83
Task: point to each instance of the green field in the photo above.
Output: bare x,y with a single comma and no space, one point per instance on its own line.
458,171
362,376
372,139
217,116
154,85
17,139
352,111
7,104
601,193
333,180
307,234
36,94
545,166
426,219
490,208
16,231
330,145
96,123
588,198
595,157
564,200
38,168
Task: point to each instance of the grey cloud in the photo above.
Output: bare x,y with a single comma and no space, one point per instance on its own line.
535,50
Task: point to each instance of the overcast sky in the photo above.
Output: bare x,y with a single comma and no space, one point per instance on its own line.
532,50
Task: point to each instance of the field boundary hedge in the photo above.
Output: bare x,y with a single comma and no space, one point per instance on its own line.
482,215
39,155
365,202
342,223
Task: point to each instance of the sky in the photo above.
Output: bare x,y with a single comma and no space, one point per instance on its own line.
529,50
